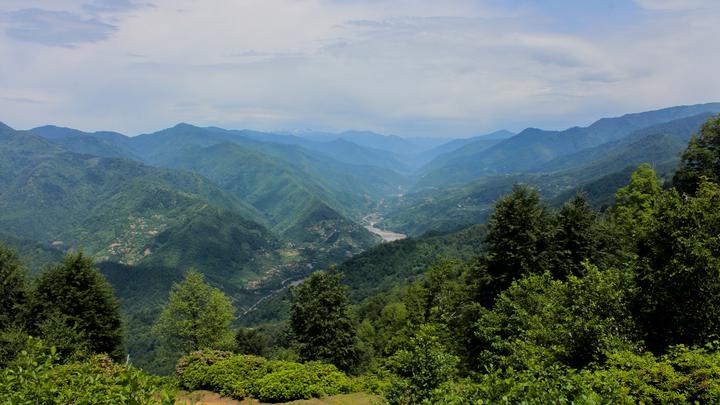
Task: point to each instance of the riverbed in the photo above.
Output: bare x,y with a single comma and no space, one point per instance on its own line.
387,236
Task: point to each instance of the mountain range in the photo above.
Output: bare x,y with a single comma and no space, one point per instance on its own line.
256,211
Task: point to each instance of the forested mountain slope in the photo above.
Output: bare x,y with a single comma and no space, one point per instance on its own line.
114,209
599,170
532,147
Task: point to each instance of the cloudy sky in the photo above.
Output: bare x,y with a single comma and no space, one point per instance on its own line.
427,68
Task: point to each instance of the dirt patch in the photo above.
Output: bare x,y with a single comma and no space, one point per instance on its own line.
211,398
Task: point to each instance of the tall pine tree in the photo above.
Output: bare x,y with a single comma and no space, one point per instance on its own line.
75,295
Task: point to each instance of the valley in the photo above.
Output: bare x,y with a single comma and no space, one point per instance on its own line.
257,214
253,209
359,202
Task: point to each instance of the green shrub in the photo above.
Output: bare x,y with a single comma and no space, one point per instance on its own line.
191,370
236,376
291,381
36,377
682,375
241,376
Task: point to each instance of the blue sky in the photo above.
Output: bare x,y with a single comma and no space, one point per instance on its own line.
450,68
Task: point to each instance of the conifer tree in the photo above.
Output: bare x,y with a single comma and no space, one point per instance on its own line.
320,321
76,293
519,237
576,238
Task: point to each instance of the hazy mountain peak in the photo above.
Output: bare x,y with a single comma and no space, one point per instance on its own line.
499,134
184,125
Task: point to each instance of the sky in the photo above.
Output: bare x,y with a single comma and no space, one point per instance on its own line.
451,68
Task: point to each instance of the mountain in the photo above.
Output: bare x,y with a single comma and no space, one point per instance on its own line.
280,184
391,264
105,144
448,209
289,202
384,267
35,254
486,140
163,148
598,171
340,149
533,147
390,143
679,130
114,209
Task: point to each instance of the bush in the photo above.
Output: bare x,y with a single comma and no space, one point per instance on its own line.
191,369
293,381
236,376
241,376
681,376
421,368
36,377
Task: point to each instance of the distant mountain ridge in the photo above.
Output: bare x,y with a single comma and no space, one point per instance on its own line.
533,147
257,211
599,170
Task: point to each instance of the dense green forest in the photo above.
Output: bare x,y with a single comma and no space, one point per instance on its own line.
547,302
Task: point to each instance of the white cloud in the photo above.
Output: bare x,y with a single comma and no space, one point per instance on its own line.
429,68
675,4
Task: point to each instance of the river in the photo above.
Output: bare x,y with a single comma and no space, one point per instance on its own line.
387,236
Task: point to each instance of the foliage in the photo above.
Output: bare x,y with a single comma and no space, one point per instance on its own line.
382,267
196,316
13,288
190,369
37,377
678,270
701,159
73,299
242,376
540,321
682,376
251,341
577,238
287,383
320,321
519,236
421,368
635,203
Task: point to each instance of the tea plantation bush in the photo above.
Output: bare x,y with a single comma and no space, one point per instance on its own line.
36,377
242,376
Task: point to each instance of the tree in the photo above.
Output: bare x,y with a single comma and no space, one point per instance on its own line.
541,321
320,321
701,159
421,368
576,238
197,316
251,341
635,203
678,270
75,293
13,288
519,237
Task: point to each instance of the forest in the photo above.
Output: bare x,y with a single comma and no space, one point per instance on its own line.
540,305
